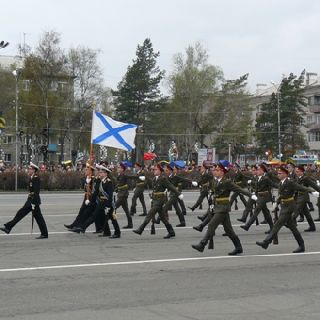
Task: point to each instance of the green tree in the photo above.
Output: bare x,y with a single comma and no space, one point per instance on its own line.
292,105
193,85
138,94
232,117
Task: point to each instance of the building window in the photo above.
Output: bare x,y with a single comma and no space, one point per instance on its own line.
314,136
7,157
8,139
316,100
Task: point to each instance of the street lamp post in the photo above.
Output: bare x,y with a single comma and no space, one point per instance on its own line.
279,122
16,74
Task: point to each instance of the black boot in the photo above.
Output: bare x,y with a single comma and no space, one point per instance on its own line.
199,227
237,247
153,229
129,225
5,229
192,208
171,232
182,221
140,229
201,245
300,241
264,244
245,227
211,244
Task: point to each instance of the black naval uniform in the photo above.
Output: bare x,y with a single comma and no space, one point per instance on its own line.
32,205
86,208
102,196
159,185
223,188
287,190
138,194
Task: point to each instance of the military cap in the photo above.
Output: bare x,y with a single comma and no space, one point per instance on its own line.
283,169
263,167
159,166
221,166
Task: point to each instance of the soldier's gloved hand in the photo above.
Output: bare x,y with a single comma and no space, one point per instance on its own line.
315,193
211,207
88,179
274,206
142,178
194,183
254,197
87,202
33,206
249,181
318,183
180,196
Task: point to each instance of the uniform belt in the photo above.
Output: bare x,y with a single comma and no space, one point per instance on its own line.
205,184
302,193
263,192
222,200
31,193
125,186
103,198
140,184
158,194
238,182
287,200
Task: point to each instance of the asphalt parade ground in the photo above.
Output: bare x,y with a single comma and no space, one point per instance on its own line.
83,276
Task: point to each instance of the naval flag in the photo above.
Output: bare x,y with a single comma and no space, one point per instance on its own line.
111,133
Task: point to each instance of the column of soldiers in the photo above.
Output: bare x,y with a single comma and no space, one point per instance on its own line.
219,186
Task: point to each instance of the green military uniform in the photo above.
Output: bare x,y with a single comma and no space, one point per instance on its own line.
302,198
204,185
287,190
122,189
176,181
263,187
159,185
138,194
240,180
222,207
250,203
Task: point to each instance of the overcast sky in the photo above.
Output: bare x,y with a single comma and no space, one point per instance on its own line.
265,38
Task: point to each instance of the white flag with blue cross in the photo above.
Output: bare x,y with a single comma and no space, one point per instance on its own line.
111,133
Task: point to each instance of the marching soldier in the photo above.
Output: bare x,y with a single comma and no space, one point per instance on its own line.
287,190
32,205
159,184
122,190
87,206
263,191
302,198
250,203
240,180
223,188
103,196
138,191
173,197
204,185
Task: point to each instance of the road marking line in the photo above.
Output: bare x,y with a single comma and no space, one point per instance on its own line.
119,263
